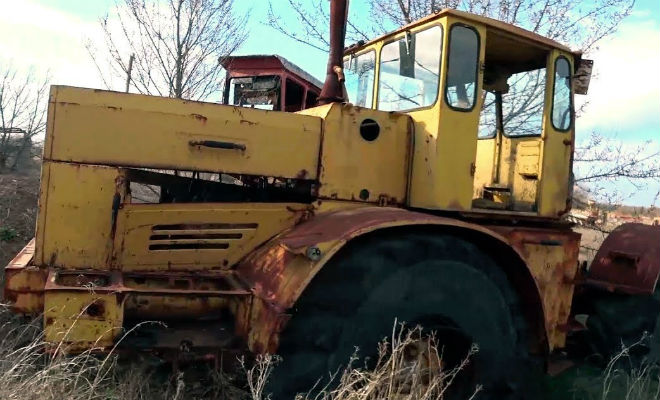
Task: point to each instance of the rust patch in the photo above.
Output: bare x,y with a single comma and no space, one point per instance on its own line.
247,122
96,309
551,256
199,118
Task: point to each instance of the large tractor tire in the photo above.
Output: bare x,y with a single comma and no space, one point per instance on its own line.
442,282
618,321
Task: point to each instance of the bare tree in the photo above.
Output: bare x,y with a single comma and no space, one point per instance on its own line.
177,45
600,160
23,102
580,24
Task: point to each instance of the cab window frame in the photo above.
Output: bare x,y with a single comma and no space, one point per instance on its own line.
374,84
571,108
402,35
477,85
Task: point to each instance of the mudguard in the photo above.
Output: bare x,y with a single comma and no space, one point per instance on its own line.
279,271
628,261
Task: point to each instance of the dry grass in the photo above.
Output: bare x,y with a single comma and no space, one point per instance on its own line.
28,372
625,379
397,375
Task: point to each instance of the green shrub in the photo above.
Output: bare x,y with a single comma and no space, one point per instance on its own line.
7,234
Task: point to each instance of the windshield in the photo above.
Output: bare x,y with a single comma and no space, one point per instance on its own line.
359,78
255,91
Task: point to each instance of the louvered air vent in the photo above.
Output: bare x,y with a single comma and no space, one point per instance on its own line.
216,236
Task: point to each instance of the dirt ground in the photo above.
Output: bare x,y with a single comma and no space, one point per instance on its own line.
19,192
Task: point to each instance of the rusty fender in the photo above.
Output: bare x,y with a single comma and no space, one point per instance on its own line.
628,261
278,272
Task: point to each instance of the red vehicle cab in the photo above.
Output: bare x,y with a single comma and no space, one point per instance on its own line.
269,82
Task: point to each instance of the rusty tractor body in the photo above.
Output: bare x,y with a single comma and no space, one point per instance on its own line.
219,219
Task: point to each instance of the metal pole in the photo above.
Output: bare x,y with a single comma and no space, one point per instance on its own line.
333,88
128,72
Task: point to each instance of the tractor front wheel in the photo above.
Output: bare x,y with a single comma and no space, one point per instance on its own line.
443,283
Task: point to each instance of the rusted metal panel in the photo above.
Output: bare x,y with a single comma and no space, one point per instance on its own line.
24,283
628,261
86,309
278,272
81,320
551,256
109,128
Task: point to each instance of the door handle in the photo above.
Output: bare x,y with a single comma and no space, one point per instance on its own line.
215,144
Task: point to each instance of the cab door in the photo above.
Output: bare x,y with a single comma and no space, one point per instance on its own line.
445,145
558,137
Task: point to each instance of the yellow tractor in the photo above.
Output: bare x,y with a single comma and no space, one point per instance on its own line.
417,190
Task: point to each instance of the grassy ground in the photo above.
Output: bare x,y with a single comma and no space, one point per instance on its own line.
28,373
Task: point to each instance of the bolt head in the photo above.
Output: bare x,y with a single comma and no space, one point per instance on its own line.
313,253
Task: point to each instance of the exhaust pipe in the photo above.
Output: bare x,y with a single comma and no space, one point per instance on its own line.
333,90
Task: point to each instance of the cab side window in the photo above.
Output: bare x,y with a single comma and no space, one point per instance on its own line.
561,97
461,87
359,81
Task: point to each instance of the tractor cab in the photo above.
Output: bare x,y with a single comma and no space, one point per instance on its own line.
492,106
269,83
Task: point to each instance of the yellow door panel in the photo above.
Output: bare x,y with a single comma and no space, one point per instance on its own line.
100,127
157,237
76,215
445,143
556,152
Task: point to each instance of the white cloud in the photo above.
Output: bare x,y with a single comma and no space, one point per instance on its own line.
35,35
625,93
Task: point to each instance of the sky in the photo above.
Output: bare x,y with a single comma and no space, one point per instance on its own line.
623,100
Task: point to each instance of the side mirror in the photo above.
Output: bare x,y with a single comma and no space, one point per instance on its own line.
582,76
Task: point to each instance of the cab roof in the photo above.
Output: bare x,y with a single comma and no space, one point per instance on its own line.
498,28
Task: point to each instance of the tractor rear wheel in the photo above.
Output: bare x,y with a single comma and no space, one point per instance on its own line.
441,282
